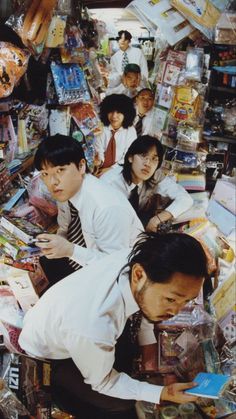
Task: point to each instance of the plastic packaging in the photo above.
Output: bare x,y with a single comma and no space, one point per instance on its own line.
194,64
13,64
169,412
10,405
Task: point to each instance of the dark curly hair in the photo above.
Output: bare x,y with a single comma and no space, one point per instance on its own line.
127,35
119,103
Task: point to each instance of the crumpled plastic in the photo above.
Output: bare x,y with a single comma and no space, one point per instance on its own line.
13,64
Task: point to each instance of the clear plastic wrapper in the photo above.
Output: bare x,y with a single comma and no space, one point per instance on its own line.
11,407
13,64
40,197
31,23
194,64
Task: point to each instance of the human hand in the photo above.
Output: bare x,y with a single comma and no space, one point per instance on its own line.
152,225
56,246
175,393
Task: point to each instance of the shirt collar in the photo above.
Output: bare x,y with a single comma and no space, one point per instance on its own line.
112,129
124,284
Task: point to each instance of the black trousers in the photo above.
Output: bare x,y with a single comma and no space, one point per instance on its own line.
55,269
74,396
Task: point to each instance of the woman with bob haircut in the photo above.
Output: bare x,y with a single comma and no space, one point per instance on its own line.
144,184
117,114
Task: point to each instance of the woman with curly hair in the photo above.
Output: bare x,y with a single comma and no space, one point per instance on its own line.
117,114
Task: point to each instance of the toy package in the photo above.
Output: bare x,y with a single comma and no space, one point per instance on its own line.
85,117
70,83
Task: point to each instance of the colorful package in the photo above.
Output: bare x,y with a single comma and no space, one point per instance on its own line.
70,83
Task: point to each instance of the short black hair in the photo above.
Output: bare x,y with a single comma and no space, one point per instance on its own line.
59,150
127,35
163,254
120,103
132,68
139,146
145,89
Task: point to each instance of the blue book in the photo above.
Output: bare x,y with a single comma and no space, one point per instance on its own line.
209,385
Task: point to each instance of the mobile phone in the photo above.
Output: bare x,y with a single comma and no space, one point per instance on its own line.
33,240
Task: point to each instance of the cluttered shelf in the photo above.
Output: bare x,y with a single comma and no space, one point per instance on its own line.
225,139
24,166
223,89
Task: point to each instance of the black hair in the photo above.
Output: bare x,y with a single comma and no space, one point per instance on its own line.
145,89
132,68
127,35
120,103
59,150
161,255
139,146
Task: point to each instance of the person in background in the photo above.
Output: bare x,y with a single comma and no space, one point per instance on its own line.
93,219
146,114
88,324
126,55
129,83
144,184
117,114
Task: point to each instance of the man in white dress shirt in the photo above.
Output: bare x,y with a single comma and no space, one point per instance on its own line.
146,114
129,83
108,222
125,55
81,323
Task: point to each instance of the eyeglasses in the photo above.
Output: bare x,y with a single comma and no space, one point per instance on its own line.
151,159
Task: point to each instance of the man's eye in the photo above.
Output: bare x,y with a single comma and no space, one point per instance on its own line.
170,300
60,170
43,174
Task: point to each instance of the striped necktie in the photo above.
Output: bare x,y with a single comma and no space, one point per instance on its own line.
139,125
110,153
74,233
125,60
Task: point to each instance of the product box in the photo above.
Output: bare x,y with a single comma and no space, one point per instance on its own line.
224,219
224,194
29,379
21,228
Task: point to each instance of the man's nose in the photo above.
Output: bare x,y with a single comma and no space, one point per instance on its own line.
175,309
54,180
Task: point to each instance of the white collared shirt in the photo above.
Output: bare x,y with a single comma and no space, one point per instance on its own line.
148,123
135,56
81,317
109,223
123,138
163,185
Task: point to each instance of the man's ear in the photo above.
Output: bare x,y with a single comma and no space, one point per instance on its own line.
82,166
130,159
138,277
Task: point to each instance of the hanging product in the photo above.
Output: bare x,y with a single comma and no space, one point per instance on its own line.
13,64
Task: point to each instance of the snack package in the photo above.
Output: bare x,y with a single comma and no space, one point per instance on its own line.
55,36
11,407
31,22
186,104
70,83
13,64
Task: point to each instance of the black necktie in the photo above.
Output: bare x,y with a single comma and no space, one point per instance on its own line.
134,198
135,323
74,233
139,125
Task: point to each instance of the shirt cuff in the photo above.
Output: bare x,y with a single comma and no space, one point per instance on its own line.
150,392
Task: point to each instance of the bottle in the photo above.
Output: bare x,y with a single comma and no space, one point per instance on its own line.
187,410
169,412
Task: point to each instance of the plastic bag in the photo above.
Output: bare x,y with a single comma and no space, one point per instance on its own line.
13,64
10,405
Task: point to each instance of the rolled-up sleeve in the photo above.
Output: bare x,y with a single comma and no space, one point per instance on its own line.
95,361
182,201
